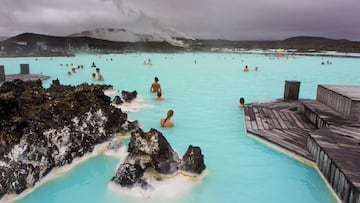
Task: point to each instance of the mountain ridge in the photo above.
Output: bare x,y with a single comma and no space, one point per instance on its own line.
32,44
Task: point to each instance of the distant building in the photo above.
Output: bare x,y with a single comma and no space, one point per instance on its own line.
57,50
2,51
42,46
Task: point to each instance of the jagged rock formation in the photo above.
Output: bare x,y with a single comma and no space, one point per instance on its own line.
117,100
151,150
128,96
193,160
46,128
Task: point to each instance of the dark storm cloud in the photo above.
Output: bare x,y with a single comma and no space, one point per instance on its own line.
230,19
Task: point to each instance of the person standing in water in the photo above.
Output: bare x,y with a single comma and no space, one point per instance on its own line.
159,98
155,86
242,102
100,77
166,122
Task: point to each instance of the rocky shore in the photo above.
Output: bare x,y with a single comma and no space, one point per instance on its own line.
151,152
46,128
43,129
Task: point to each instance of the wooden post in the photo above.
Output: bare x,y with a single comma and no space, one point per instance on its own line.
292,88
2,73
24,69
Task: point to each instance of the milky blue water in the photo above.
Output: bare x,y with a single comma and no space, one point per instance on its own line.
205,98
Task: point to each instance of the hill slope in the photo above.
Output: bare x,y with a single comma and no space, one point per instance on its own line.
30,44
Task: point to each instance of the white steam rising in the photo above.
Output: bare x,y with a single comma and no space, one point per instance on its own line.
145,24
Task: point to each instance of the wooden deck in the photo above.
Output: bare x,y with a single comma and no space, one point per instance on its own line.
280,123
342,145
326,131
321,115
344,99
337,152
25,77
351,92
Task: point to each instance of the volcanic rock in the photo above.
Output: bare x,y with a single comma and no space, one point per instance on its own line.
193,160
151,150
117,100
46,128
128,96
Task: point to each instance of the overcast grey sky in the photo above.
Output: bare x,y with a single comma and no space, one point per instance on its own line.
225,19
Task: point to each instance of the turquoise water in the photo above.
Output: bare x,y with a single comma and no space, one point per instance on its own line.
205,98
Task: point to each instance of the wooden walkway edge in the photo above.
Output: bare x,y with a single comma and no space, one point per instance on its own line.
316,132
280,123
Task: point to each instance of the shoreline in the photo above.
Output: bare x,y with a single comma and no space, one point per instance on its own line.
218,50
99,150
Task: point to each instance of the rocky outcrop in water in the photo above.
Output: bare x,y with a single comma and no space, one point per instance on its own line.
128,96
46,128
193,160
117,100
151,150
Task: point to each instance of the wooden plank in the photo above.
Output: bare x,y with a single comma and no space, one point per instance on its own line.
285,120
281,122
263,120
275,121
298,123
251,113
259,123
306,124
254,125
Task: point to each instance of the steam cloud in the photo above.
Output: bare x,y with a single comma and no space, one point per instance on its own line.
144,23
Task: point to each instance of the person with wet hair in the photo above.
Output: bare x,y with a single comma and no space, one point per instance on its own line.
242,102
159,98
166,122
155,86
100,77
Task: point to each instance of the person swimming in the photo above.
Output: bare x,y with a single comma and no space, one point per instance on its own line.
159,98
155,86
100,77
246,69
242,102
166,122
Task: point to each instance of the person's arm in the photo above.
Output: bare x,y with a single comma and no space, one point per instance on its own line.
162,122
